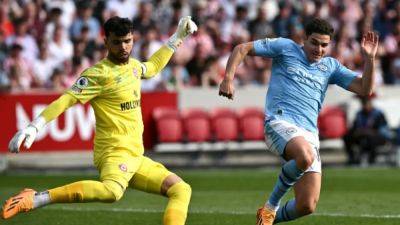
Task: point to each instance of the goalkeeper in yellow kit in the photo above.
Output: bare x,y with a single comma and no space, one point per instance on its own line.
112,87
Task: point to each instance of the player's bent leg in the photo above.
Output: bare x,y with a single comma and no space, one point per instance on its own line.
87,191
307,191
299,155
300,150
179,194
154,178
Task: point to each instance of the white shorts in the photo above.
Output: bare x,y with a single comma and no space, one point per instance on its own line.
279,132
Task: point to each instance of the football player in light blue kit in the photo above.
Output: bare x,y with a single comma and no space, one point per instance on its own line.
300,78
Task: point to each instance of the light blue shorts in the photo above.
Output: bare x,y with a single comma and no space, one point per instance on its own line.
279,132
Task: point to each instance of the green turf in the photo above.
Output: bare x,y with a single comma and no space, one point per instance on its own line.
224,197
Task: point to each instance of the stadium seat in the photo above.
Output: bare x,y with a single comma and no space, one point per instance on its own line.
168,124
251,123
224,124
332,122
196,124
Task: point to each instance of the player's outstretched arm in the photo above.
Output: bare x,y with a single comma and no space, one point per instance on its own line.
160,58
227,88
51,112
365,85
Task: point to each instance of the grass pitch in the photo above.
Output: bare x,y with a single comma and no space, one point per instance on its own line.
223,197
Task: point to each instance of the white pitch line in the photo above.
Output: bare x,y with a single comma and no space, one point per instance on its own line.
88,209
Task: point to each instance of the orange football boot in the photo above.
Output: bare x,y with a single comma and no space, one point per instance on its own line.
22,202
265,216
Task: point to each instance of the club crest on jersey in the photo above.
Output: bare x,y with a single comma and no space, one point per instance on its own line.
123,167
291,130
322,67
82,82
135,73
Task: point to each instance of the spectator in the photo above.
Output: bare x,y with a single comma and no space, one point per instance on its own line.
6,27
43,66
122,8
19,69
53,19
143,21
391,53
239,28
85,18
35,19
284,20
395,70
75,70
90,44
79,48
56,82
369,131
260,27
68,10
211,75
175,76
60,47
222,25
99,53
148,46
23,38
196,65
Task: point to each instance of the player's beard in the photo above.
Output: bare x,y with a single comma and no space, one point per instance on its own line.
119,58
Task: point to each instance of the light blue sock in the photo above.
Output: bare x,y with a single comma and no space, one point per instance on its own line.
287,212
287,178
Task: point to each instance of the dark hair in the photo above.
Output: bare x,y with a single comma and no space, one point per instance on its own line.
56,11
319,26
117,25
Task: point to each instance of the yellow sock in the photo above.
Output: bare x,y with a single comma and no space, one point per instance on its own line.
179,198
87,191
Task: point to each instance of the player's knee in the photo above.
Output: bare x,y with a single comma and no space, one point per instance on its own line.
181,190
116,191
305,160
308,207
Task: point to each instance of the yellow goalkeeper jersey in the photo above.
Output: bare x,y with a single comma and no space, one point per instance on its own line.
114,93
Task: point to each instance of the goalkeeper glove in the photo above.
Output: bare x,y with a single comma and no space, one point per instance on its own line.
28,134
185,27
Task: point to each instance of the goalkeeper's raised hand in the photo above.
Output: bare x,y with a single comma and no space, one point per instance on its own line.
185,27
28,134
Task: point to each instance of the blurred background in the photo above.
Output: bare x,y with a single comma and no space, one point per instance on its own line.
45,45
214,144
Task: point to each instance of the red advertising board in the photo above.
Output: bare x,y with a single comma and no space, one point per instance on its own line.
74,129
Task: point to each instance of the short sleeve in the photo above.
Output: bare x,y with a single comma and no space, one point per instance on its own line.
271,47
342,76
87,86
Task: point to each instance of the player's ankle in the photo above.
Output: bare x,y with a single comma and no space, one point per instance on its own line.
41,199
271,207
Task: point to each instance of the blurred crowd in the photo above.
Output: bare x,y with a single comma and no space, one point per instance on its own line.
48,43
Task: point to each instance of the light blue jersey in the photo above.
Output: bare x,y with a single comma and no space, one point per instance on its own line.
297,87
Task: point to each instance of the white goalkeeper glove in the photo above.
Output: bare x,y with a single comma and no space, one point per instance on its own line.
185,27
28,134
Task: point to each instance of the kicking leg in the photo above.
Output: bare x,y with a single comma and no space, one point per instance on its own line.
153,177
82,191
115,172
